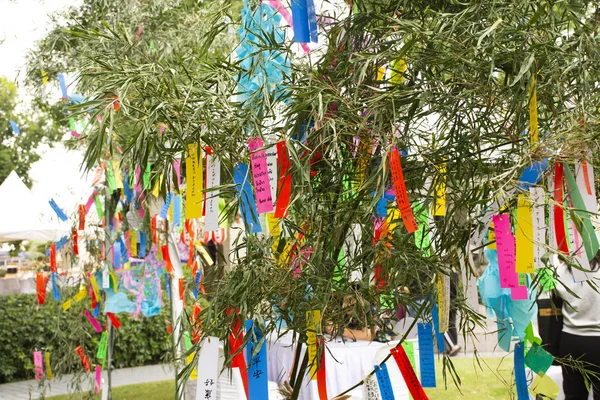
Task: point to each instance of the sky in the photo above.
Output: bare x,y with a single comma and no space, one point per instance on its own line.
57,175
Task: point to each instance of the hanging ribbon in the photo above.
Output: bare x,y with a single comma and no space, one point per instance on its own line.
401,195
40,285
284,187
559,215
85,361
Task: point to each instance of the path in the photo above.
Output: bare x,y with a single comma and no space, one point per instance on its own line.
26,390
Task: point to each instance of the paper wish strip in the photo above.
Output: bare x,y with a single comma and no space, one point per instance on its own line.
505,245
241,179
401,194
213,180
524,235
193,178
208,369
260,175
539,226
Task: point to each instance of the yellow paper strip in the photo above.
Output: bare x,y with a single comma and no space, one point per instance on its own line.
524,235
533,113
544,385
66,305
81,294
95,288
443,292
313,327
118,174
49,373
398,71
193,177
439,209
274,230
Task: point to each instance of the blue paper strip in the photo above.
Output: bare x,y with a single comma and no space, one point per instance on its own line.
128,192
176,210
198,276
59,245
117,254
96,311
300,21
439,337
55,291
165,208
60,213
426,356
168,285
123,249
520,378
241,178
312,21
532,174
385,385
15,127
258,384
63,85
142,245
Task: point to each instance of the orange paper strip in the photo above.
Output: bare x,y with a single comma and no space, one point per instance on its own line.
401,195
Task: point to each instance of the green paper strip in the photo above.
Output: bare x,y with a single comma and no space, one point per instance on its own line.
72,124
110,177
409,349
102,346
530,336
147,176
546,279
99,208
538,359
588,234
422,235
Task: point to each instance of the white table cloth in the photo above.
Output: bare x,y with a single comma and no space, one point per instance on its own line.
346,364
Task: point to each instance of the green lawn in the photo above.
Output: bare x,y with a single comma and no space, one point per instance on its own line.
483,382
488,380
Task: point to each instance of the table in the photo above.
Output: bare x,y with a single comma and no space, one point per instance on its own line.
347,363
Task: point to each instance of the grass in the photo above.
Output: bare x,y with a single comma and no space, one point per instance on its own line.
147,391
488,381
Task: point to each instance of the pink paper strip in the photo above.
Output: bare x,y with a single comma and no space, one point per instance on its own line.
505,244
177,166
90,202
138,185
519,293
260,174
98,378
93,321
39,365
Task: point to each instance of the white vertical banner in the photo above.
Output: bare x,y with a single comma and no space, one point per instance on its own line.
539,225
208,369
272,168
577,251
213,179
584,175
551,231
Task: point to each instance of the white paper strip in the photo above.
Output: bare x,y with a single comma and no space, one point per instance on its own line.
213,179
551,231
589,197
272,168
352,250
208,369
539,225
577,252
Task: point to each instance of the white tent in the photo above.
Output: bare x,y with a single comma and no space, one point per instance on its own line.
25,217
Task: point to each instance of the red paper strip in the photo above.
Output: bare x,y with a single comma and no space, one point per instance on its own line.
40,285
414,386
586,178
401,195
81,211
153,229
53,257
113,318
284,186
167,259
75,242
321,374
84,359
181,289
235,343
559,214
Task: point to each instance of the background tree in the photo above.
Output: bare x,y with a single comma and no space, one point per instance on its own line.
460,108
